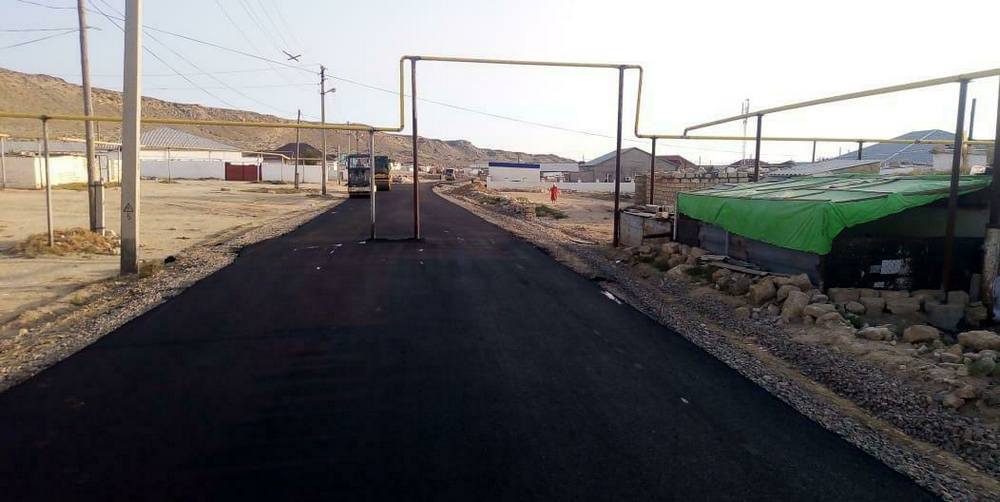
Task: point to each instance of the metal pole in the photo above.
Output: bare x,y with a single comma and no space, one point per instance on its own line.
48,180
814,152
297,143
3,163
371,179
991,245
652,171
956,165
756,155
861,147
416,171
322,118
618,158
131,123
972,119
95,185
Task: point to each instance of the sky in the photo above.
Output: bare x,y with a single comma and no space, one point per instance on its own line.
701,60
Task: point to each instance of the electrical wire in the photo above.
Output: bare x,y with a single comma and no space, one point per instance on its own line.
36,40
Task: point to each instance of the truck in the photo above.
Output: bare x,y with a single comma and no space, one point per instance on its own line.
449,174
358,175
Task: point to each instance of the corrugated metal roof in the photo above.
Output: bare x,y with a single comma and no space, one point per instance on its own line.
894,153
55,147
825,166
168,137
610,155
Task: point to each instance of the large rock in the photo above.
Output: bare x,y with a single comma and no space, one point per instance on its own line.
854,308
873,305
680,271
818,309
975,314
920,333
783,292
958,298
876,333
982,366
761,292
818,297
902,306
697,252
675,260
801,281
742,312
928,294
843,295
980,340
738,285
944,315
894,295
832,320
868,293
794,304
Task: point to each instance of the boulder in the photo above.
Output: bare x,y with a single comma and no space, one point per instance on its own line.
976,313
854,308
843,295
783,291
742,312
831,320
667,249
761,292
894,295
697,252
738,285
794,304
948,357
691,260
720,273
876,333
773,310
676,260
819,298
929,294
818,309
680,271
919,333
958,298
950,400
683,249
980,340
902,306
801,281
982,366
672,247
868,293
873,305
967,392
944,315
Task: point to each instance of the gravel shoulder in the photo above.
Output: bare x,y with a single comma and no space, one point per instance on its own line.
876,410
40,337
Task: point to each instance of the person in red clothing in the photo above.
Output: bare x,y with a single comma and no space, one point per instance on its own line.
554,193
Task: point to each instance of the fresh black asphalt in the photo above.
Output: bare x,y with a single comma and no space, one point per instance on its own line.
468,366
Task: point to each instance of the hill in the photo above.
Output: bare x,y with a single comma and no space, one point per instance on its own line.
23,92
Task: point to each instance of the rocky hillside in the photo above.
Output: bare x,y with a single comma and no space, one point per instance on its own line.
23,92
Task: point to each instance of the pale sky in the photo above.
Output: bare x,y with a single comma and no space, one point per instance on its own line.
701,59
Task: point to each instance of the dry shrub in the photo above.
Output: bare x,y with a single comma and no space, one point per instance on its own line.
66,242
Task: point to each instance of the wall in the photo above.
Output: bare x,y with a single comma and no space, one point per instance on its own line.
942,161
29,172
277,171
563,185
187,169
669,184
158,154
634,162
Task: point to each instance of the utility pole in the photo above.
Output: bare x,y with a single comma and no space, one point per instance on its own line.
48,181
297,121
131,122
322,119
3,162
95,185
991,245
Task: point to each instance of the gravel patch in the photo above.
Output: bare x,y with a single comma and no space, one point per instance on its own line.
113,302
954,456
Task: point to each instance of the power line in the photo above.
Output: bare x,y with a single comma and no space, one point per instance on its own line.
246,37
32,30
36,40
274,25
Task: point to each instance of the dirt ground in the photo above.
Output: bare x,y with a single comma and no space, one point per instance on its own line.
589,216
173,217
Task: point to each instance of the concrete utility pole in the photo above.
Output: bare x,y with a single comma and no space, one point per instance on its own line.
297,121
48,181
322,119
95,185
131,123
991,245
371,172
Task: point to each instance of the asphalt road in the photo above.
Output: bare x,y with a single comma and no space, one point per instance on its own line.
469,366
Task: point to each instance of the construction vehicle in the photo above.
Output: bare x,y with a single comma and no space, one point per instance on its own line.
449,174
359,179
382,179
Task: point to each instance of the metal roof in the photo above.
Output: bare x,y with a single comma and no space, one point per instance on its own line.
825,166
168,137
560,167
610,155
55,147
919,154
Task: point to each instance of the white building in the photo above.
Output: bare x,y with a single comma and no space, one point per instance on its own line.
24,164
513,175
171,153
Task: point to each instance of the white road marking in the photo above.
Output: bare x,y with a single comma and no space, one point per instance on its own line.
611,297
685,401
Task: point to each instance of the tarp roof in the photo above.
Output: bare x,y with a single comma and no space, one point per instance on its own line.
807,214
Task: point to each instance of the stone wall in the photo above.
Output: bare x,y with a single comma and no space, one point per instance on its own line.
670,183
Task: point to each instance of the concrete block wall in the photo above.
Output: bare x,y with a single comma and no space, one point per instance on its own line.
668,185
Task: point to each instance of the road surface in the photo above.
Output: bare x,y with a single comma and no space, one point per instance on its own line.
469,366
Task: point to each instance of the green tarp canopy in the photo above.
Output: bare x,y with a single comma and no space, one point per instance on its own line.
807,213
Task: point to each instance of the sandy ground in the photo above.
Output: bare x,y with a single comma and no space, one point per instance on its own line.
173,217
589,215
